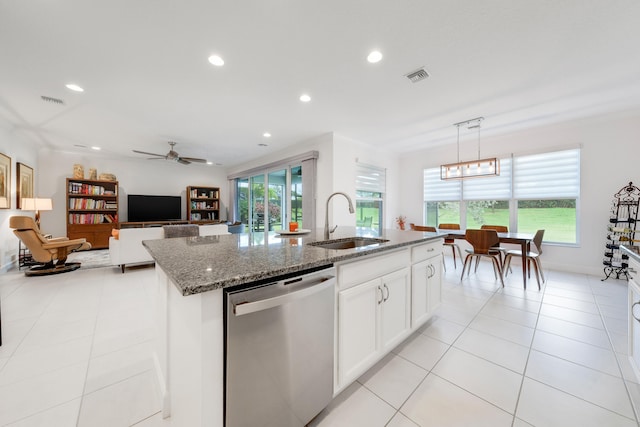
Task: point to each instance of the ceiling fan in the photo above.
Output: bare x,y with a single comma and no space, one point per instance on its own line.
172,155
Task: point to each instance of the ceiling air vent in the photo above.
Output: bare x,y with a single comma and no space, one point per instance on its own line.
416,76
53,100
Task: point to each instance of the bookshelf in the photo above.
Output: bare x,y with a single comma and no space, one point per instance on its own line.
92,210
203,204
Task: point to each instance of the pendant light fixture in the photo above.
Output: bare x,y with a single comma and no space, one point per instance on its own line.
472,168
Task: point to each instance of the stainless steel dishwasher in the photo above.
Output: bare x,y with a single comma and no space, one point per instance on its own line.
279,350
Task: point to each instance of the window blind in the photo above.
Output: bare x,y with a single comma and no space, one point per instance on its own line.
370,178
438,190
547,175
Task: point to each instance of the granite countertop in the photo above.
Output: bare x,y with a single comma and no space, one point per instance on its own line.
200,264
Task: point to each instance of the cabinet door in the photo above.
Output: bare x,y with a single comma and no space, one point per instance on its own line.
420,273
395,310
357,335
434,287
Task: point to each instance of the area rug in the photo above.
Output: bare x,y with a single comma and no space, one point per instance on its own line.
91,259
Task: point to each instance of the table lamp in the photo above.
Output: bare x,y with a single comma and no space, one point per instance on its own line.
37,204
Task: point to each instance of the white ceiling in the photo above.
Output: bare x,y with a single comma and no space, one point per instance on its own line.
143,65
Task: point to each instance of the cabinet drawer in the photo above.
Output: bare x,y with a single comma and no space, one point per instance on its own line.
426,251
368,268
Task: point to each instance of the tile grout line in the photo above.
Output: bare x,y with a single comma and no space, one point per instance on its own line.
430,371
526,364
93,338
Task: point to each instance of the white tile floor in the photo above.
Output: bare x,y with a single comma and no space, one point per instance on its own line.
77,350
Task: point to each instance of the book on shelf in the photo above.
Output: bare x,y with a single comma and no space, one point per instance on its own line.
203,193
92,218
93,190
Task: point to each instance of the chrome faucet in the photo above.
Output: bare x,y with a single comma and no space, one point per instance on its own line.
326,216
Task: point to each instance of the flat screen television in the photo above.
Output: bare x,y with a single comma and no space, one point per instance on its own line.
143,208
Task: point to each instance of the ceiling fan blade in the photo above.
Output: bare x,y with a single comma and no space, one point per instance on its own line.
183,161
148,154
156,158
194,159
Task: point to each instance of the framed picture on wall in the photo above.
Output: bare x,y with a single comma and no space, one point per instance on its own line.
5,181
24,188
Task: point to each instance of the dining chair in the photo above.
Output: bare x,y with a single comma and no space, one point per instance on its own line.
483,242
501,249
428,228
452,242
531,257
422,228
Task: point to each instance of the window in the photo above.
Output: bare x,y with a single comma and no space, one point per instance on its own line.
546,187
268,197
533,192
370,188
441,199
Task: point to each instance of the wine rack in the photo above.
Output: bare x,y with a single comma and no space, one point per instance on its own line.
621,231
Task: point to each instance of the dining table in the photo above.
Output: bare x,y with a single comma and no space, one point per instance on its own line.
522,239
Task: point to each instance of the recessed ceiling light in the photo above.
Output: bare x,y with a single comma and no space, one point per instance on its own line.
374,56
96,148
262,145
305,98
74,87
266,135
216,60
209,163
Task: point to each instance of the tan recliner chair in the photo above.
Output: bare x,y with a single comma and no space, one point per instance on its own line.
52,253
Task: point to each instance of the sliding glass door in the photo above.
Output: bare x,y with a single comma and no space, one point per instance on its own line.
268,199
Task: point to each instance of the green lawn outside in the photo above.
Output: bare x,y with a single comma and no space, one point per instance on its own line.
558,223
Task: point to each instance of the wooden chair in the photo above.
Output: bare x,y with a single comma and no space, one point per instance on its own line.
531,256
499,229
483,242
51,253
422,228
452,242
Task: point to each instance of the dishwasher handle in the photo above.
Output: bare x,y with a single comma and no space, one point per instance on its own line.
304,289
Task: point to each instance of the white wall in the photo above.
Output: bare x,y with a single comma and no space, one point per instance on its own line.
135,176
609,160
21,149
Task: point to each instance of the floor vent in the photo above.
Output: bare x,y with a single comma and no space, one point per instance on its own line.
53,100
418,75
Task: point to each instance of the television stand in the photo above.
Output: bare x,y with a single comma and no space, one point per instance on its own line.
146,224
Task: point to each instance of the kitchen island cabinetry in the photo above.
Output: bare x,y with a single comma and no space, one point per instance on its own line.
373,316
426,275
373,293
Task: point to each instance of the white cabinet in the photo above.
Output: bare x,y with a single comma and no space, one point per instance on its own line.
394,309
373,316
426,275
357,335
634,315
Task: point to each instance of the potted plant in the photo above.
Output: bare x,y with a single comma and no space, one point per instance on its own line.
401,221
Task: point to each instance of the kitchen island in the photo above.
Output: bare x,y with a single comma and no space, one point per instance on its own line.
192,273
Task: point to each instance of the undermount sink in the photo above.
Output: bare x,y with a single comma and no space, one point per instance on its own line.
348,242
